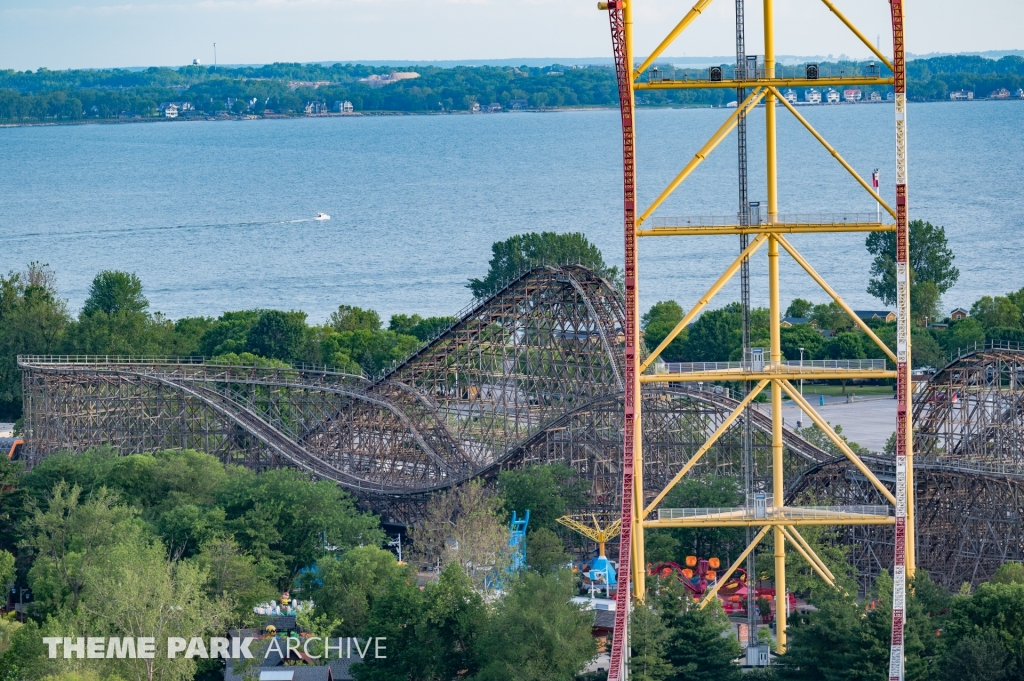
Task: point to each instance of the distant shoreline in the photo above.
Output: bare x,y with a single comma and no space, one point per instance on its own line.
364,114
358,114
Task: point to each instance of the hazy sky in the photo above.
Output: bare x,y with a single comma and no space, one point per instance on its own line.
62,34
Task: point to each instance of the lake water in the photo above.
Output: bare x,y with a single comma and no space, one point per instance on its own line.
216,216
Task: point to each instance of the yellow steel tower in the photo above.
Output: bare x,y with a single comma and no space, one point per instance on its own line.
641,509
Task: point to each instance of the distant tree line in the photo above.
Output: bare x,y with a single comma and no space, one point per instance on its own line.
104,94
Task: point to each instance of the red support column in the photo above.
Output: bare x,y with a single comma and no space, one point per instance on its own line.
623,72
904,434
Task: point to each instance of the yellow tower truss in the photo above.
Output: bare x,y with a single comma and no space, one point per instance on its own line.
642,509
601,535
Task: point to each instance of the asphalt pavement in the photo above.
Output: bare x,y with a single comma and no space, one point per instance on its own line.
868,421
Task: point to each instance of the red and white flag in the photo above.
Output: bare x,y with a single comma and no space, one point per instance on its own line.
874,179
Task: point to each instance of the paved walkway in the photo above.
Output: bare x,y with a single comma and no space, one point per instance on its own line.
869,421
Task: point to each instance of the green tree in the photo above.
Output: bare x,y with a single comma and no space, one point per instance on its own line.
277,334
660,546
284,516
113,291
1003,333
187,527
517,253
648,641
545,551
115,321
799,308
847,345
931,260
927,351
6,569
350,318
998,607
816,437
964,333
465,526
824,644
365,350
350,584
1017,298
924,302
697,650
454,620
228,333
136,591
840,642
85,470
33,320
979,657
398,614
920,645
1009,573
26,656
432,634
85,675
234,575
997,311
12,503
831,317
800,336
70,537
164,480
658,322
551,634
121,333
801,578
713,337
547,491
422,329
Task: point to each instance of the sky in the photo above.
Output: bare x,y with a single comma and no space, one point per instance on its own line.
61,34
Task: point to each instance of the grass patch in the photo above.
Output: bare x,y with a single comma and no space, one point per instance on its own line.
837,390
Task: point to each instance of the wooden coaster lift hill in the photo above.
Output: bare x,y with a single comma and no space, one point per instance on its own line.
769,513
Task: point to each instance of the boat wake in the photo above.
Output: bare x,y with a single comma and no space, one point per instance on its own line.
113,231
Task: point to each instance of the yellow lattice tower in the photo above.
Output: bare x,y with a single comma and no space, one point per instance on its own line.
772,371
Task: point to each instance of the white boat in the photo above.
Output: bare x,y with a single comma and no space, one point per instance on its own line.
322,216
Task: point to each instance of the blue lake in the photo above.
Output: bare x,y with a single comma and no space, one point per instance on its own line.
216,216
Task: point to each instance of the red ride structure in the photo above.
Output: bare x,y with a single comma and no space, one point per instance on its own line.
632,475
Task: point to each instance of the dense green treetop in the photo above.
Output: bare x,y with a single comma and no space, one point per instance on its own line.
112,292
658,322
513,256
547,491
931,266
351,318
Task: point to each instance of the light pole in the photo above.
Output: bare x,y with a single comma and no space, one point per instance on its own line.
398,544
801,423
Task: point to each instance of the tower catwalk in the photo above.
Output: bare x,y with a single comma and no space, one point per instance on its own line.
765,508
